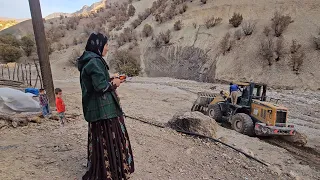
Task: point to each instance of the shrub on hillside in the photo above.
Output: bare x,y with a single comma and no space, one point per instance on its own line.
28,45
236,19
165,37
297,56
177,25
147,30
280,23
157,42
178,62
131,10
89,28
124,62
10,40
127,36
211,22
10,53
225,44
73,22
203,1
144,15
266,50
248,27
135,23
184,7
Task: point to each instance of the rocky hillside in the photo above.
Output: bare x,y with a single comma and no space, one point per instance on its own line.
203,48
57,15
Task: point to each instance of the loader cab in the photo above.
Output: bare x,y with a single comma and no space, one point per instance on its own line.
251,91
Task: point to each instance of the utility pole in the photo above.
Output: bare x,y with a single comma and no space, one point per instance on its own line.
42,49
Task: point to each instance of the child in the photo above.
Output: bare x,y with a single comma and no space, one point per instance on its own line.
44,103
61,108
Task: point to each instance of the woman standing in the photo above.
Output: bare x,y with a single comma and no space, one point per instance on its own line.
109,151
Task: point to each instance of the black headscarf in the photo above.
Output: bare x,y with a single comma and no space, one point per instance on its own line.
96,43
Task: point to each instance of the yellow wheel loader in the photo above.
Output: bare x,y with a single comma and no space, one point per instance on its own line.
252,115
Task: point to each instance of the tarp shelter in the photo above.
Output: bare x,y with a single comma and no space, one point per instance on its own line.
12,100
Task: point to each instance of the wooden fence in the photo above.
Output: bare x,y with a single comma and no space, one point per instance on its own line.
27,74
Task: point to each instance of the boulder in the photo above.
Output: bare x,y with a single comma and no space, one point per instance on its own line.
195,122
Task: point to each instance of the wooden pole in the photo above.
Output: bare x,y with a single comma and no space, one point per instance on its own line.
38,74
22,73
26,71
30,74
18,72
8,72
42,49
2,71
14,70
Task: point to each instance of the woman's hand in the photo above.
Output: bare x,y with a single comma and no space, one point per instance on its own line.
116,81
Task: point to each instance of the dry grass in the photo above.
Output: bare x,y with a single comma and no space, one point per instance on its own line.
248,27
225,44
211,22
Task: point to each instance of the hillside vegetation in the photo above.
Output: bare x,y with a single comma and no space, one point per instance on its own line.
265,41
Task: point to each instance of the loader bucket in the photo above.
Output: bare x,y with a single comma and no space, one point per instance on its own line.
203,101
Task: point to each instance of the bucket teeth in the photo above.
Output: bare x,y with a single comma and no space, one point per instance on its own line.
202,102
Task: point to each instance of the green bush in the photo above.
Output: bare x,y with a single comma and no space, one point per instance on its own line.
10,53
10,40
28,45
124,62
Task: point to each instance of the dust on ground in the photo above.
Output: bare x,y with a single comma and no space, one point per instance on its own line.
48,151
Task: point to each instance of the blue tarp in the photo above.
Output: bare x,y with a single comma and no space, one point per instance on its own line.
34,91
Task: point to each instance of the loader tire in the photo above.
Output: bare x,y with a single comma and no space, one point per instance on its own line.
214,111
243,123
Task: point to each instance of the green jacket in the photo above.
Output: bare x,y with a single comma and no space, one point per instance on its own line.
94,78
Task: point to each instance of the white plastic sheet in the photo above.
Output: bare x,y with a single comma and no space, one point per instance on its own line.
17,101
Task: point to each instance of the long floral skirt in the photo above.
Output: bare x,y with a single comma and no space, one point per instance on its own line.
109,151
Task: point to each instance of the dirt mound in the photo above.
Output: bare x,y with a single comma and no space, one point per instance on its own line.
194,122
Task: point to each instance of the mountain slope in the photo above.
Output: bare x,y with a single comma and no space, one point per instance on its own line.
56,15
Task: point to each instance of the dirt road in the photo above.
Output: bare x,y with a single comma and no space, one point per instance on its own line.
48,151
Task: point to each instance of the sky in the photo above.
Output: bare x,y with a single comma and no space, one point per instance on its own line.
20,8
